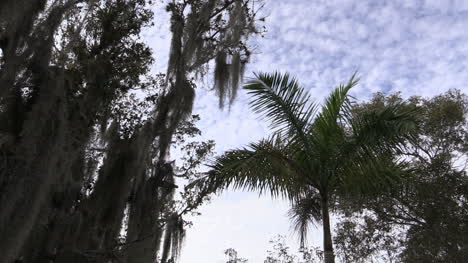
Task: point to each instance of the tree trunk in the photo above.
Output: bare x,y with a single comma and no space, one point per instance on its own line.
329,256
42,161
104,209
144,233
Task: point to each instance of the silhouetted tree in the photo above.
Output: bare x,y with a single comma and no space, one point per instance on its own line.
233,256
85,130
280,253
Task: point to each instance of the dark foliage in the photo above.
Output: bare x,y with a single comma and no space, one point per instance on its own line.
85,130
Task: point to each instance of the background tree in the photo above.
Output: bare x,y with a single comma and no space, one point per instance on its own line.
314,157
424,217
233,256
280,253
81,159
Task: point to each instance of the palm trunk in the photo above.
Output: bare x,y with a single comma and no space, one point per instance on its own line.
327,240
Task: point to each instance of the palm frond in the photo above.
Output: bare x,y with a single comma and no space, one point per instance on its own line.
263,166
336,108
281,100
383,129
371,176
327,133
368,156
305,211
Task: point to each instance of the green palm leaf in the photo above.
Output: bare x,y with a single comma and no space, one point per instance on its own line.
368,154
263,166
304,211
337,105
283,102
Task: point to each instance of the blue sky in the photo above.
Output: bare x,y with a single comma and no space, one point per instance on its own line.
414,47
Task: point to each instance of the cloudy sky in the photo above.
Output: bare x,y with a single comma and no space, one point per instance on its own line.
414,47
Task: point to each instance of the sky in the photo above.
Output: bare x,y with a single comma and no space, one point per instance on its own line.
415,47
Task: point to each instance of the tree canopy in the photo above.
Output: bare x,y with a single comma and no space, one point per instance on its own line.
424,217
85,128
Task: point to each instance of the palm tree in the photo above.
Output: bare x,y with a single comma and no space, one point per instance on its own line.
314,157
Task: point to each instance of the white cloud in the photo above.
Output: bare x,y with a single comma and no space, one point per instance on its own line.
386,41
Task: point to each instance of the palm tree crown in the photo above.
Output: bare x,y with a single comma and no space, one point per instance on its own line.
313,155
